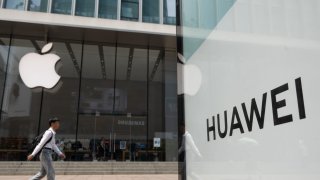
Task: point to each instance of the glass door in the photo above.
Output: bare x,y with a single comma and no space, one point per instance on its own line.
112,120
96,137
111,138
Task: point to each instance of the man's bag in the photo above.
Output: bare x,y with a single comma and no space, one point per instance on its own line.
37,140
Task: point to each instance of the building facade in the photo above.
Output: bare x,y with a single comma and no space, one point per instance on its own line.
117,95
252,88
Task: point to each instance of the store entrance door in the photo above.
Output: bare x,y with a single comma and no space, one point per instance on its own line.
111,138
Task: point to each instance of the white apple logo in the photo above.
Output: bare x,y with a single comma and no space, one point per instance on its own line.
190,77
38,70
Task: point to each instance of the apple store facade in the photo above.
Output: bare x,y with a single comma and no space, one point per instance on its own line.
116,96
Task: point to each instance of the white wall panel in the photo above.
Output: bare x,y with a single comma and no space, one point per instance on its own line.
273,43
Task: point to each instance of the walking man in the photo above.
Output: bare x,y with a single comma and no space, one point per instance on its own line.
46,146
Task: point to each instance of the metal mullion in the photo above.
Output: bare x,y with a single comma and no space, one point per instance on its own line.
1,4
163,80
96,8
36,46
73,7
119,10
79,93
26,4
114,89
148,92
115,77
161,11
140,11
40,111
49,6
180,98
5,75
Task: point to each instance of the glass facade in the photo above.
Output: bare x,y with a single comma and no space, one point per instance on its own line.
38,5
169,12
20,106
14,4
195,15
4,50
85,8
252,69
112,101
61,6
130,10
108,9
150,11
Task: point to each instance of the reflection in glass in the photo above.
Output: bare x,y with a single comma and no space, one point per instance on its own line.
14,4
4,49
126,98
131,82
191,14
156,117
85,8
130,10
194,16
38,5
61,6
20,107
150,11
95,133
170,102
169,12
97,85
108,9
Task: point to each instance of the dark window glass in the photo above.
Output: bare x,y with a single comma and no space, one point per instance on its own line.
62,100
14,4
38,5
20,107
97,131
130,10
125,98
97,87
131,100
132,80
113,107
61,6
150,11
108,9
169,12
4,49
85,8
156,125
162,103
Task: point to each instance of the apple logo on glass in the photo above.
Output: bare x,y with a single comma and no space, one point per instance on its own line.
38,70
190,77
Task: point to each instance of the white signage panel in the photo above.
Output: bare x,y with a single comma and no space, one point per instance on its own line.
256,114
156,142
